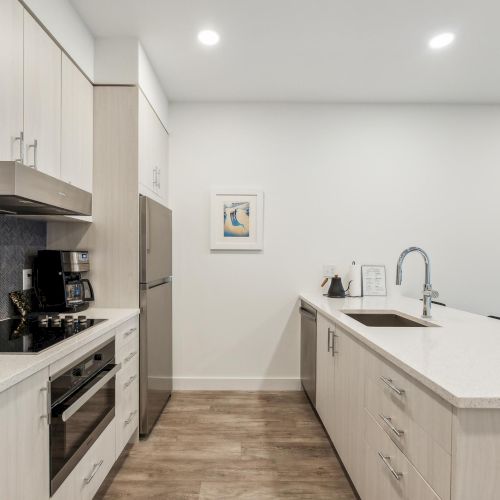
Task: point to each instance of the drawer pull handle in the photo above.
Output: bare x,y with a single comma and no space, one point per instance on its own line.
129,381
388,420
129,332
96,467
389,383
387,462
130,417
130,356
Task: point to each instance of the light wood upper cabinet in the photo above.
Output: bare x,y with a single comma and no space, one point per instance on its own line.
24,440
42,99
77,127
11,82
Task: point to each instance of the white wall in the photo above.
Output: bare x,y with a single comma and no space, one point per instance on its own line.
340,182
67,27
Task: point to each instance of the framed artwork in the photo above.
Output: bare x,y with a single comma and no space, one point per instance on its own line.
237,217
373,278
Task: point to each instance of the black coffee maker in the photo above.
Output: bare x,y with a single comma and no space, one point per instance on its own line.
58,282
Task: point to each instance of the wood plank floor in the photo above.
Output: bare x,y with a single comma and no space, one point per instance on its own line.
231,445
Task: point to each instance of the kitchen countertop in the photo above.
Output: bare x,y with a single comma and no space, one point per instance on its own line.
460,360
16,367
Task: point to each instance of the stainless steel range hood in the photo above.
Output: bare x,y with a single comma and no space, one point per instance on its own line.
26,191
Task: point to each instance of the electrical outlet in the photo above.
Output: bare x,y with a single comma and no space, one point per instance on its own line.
329,270
27,281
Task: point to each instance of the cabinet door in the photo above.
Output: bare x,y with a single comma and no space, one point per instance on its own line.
163,172
348,406
77,126
24,440
11,83
42,99
149,155
325,374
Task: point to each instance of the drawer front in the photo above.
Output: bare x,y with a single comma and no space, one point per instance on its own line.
126,332
408,399
88,475
128,353
127,408
389,474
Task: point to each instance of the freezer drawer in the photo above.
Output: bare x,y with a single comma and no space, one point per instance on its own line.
155,353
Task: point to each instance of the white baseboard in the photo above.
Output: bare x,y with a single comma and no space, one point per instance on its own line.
236,384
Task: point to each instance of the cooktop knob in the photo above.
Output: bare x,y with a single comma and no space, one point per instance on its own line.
82,319
68,319
43,320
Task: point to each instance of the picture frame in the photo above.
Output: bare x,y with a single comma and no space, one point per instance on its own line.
236,219
373,279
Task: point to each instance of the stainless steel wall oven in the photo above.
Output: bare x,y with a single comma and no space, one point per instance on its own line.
82,404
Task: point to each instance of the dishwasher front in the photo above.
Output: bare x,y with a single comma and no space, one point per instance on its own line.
308,350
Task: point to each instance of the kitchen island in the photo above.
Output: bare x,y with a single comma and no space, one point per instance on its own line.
413,412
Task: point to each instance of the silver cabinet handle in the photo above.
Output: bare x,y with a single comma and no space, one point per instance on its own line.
329,341
388,420
69,412
130,356
155,176
20,138
96,467
387,462
389,383
158,178
35,149
46,390
129,332
129,381
130,417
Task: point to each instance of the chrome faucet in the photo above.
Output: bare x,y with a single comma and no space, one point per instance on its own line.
428,293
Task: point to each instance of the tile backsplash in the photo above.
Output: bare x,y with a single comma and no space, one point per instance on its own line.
20,239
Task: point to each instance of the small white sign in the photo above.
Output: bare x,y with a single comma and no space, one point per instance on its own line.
373,280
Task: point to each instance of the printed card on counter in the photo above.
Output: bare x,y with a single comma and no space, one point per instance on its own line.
373,280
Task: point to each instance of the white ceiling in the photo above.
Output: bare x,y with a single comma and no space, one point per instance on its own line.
312,50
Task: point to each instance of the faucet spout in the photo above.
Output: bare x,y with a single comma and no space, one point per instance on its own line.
428,293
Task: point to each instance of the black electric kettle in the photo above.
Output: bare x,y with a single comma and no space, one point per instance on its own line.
336,289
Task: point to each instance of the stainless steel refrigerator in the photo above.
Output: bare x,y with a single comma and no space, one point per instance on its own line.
156,311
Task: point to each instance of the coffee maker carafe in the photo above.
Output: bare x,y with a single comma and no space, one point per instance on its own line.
58,282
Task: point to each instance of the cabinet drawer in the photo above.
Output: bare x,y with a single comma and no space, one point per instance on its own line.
129,353
126,332
88,475
389,474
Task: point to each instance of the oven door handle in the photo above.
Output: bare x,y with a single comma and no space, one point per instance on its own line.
69,412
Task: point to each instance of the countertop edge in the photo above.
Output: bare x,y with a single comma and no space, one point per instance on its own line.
456,401
63,349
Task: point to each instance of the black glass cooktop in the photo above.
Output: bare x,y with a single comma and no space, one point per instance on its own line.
37,333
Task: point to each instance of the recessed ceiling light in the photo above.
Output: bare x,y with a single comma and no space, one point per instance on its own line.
441,41
208,37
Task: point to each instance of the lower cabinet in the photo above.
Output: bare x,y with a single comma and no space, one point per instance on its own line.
24,440
392,435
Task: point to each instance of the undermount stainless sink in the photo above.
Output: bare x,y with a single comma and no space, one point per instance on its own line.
386,320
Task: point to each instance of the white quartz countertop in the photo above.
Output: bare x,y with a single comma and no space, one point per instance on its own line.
459,360
16,367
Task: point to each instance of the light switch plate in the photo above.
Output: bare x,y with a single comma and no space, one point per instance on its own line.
27,281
